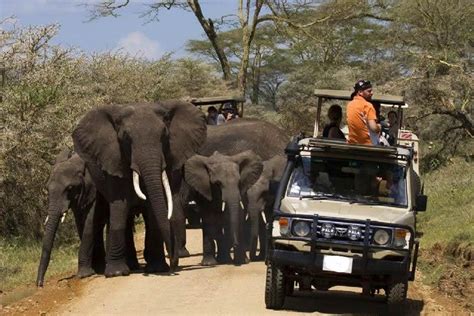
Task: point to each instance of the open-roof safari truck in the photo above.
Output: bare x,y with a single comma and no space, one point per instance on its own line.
345,214
236,102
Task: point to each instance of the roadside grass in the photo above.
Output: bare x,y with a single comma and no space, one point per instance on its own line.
19,261
447,226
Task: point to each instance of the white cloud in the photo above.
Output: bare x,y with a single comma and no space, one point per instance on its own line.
138,44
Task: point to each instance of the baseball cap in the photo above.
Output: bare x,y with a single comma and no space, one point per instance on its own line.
362,85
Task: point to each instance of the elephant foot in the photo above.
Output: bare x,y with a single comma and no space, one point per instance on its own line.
183,253
114,269
259,257
84,272
241,259
157,267
208,261
224,259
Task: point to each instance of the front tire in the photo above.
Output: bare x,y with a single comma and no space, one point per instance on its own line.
275,288
396,293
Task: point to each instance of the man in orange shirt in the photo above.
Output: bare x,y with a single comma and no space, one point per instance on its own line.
361,114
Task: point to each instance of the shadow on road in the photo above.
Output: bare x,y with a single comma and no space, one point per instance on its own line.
350,303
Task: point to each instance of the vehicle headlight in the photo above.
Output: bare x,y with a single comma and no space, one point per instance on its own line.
284,226
354,232
402,236
328,230
301,229
381,237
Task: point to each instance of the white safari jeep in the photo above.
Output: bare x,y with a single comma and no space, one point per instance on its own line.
345,214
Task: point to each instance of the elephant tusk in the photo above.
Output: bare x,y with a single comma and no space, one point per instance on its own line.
242,204
169,196
46,220
246,216
223,206
63,217
136,185
264,217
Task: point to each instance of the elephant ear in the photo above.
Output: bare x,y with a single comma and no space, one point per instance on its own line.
251,168
196,174
187,130
95,140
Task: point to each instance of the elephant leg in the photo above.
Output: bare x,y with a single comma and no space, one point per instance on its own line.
154,252
100,220
116,265
208,244
131,252
87,246
178,224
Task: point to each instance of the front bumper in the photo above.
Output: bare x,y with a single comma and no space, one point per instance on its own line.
363,265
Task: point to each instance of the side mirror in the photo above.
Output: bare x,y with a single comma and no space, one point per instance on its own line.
421,202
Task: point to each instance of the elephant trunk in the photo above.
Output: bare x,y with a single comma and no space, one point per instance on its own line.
254,229
236,222
151,171
52,224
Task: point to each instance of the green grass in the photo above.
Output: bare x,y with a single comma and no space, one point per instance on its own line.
19,262
448,223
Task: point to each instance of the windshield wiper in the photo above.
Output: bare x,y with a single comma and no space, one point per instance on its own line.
324,196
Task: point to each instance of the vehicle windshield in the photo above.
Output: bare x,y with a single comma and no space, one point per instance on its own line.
355,181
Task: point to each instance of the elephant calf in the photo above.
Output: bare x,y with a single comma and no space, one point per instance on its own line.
220,182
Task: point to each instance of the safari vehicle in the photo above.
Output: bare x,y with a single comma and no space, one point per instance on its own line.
345,214
236,102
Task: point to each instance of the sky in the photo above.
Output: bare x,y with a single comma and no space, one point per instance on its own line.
129,32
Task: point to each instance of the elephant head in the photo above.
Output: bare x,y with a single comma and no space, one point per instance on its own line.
69,187
230,176
142,140
260,201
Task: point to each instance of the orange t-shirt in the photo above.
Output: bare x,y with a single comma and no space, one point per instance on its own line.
358,129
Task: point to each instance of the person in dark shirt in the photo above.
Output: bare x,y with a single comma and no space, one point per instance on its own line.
332,130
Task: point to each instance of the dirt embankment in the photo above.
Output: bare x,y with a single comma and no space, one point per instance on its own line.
198,290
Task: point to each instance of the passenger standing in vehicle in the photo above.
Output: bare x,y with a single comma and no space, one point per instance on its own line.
212,115
333,129
361,114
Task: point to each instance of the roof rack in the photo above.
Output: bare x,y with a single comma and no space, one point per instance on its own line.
318,144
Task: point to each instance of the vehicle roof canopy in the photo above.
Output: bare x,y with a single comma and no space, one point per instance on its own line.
346,95
216,100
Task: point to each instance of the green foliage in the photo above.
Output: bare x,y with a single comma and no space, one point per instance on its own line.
48,89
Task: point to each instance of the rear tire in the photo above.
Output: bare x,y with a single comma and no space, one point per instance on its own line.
275,288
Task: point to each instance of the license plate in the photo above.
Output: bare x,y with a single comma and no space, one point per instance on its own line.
337,264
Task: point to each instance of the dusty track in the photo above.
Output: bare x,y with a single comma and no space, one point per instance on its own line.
197,290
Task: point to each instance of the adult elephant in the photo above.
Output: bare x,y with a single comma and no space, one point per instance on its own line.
70,186
259,203
126,146
222,180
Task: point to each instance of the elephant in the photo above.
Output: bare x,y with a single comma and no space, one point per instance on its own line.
222,180
134,153
70,186
259,203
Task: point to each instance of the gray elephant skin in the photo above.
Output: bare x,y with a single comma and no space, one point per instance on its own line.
151,141
259,204
263,138
70,186
220,182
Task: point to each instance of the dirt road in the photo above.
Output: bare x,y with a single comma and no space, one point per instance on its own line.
220,290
